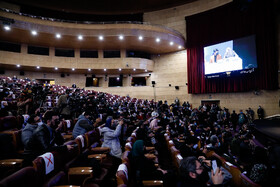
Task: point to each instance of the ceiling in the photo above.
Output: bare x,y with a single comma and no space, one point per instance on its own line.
108,7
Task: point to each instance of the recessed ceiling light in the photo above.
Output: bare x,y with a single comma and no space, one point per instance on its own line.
7,27
89,69
118,78
140,37
100,37
121,37
18,65
157,40
34,32
105,69
146,70
73,69
58,35
80,37
171,43
179,47
38,67
56,68
120,69
134,69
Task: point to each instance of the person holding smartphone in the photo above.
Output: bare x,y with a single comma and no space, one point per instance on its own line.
194,172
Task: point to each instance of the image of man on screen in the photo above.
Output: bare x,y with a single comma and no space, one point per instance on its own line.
230,53
216,56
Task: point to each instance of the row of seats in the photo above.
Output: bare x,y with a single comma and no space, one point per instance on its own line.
238,178
61,173
124,173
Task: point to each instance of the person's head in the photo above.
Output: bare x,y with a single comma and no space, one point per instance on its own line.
111,123
87,114
214,140
138,148
34,119
191,168
51,118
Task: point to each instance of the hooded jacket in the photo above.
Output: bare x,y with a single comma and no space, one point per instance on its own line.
111,139
82,126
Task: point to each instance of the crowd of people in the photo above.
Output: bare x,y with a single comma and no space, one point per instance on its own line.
46,107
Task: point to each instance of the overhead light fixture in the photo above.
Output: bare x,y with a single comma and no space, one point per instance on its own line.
118,78
134,69
56,68
89,69
105,69
120,69
80,37
38,67
73,69
146,70
140,37
18,65
34,33
158,40
121,37
179,47
100,37
58,35
171,43
7,27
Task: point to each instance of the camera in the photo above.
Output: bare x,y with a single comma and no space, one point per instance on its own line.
208,168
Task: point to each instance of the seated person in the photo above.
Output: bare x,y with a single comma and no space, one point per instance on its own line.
83,124
27,132
45,138
230,53
216,56
142,167
193,173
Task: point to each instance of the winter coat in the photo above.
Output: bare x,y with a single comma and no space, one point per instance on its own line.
82,126
111,139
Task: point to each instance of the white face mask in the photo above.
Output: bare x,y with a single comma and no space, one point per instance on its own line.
40,123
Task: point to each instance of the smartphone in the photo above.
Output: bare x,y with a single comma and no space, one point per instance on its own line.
214,166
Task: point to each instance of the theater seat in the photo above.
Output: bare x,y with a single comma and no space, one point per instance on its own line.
8,123
25,177
55,176
246,182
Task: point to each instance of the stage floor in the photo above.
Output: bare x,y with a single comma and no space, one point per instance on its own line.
268,130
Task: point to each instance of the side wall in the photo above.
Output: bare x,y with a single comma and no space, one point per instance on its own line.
172,69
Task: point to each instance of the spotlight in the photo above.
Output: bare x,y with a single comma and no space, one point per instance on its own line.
7,27
34,32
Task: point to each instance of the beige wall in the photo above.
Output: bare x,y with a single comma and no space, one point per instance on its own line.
172,69
175,17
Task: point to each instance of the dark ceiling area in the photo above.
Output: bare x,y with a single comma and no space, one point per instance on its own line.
100,7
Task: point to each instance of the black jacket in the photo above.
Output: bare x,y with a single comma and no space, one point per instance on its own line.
42,141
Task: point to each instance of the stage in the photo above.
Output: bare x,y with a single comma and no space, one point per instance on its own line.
268,130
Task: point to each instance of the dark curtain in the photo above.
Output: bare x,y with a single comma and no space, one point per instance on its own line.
229,22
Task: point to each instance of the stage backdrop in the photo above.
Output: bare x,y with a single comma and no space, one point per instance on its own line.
229,22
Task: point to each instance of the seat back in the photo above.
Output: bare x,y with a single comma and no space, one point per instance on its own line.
25,177
8,123
122,174
234,171
92,137
246,182
40,167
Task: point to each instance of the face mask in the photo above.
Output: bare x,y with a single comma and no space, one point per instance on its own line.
40,123
203,177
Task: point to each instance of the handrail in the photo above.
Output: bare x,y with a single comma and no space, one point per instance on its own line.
88,22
